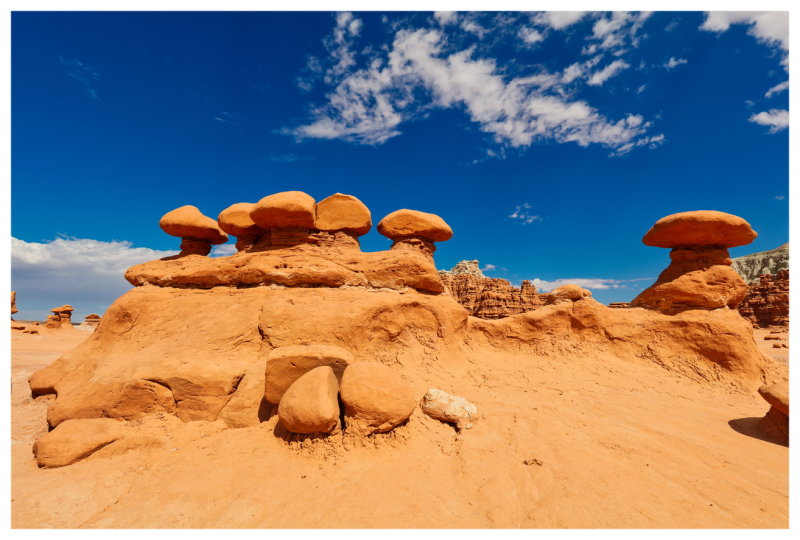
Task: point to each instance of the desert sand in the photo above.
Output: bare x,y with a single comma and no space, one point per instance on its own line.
572,442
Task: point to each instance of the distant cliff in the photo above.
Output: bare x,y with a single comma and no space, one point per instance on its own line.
485,297
750,267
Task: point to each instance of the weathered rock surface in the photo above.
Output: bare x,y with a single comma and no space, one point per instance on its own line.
188,222
285,365
311,403
412,223
775,424
700,274
236,221
567,293
14,302
286,209
777,395
75,440
488,298
767,300
752,267
448,408
376,398
341,212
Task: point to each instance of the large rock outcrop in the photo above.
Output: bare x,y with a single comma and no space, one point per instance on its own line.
194,336
752,267
767,300
485,297
14,302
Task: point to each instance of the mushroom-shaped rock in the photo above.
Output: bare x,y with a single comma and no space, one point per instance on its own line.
310,405
198,232
286,209
412,223
287,364
74,440
442,406
341,212
776,395
63,309
236,221
700,228
376,398
567,293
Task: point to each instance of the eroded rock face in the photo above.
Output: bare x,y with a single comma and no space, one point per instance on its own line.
75,440
752,267
767,301
775,423
14,302
311,404
488,298
285,365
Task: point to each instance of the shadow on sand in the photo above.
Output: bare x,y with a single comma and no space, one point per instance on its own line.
751,427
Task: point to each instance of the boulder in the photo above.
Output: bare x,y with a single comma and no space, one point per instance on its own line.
188,222
700,228
776,395
74,440
376,398
341,212
412,223
286,209
567,293
236,221
442,406
287,364
311,404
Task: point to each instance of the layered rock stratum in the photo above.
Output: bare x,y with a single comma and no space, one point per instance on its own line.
485,297
752,267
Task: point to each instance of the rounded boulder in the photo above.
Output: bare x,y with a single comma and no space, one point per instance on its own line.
311,404
341,212
188,222
776,395
236,221
567,293
286,209
285,365
700,228
403,223
376,398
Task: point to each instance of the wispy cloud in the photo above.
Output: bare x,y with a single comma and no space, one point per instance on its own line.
230,118
82,74
587,283
780,197
425,68
776,119
86,273
522,214
777,89
287,158
673,62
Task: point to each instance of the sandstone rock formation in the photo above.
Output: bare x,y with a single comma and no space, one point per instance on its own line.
414,230
566,294
448,408
202,339
767,301
92,319
14,302
311,403
375,397
60,318
700,274
775,423
74,440
196,231
485,297
345,213
236,221
751,267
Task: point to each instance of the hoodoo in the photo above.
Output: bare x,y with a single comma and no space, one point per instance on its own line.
196,231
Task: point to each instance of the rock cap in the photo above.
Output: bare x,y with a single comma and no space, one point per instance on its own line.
403,223
776,395
65,307
700,228
285,209
341,212
188,222
236,221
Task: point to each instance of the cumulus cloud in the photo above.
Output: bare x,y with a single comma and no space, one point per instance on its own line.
770,27
558,20
587,283
776,119
422,69
616,32
86,273
223,250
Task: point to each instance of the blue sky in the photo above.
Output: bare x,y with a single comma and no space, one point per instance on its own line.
549,141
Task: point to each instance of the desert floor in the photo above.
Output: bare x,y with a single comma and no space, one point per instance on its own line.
558,445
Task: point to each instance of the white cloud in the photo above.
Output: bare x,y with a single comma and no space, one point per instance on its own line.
777,89
780,197
88,274
776,119
675,62
771,27
586,283
530,35
488,268
223,250
416,73
558,20
599,77
616,31
445,17
522,214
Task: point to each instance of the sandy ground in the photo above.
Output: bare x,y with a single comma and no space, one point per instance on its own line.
767,338
559,444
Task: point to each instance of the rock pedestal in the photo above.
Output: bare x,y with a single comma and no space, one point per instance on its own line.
415,231
196,231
